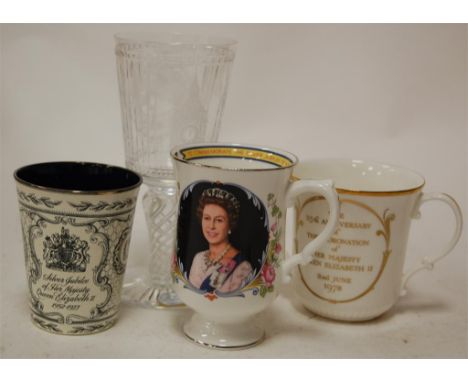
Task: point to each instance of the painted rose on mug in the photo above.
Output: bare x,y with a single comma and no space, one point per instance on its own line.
268,274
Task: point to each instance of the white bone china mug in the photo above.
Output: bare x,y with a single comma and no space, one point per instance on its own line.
229,256
358,274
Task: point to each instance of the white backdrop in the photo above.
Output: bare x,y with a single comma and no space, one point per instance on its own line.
394,93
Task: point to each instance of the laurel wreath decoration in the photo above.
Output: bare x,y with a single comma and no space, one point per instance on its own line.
103,206
32,198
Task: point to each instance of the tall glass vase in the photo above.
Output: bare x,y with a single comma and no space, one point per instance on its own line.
172,91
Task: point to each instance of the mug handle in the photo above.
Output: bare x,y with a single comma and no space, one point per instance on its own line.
326,189
428,263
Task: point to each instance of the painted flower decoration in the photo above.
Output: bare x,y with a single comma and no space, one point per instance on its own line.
268,274
278,248
227,268
273,227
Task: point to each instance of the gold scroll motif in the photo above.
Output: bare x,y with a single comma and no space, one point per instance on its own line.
385,232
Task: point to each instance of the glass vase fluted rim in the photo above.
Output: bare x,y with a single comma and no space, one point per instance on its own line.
174,39
77,177
279,158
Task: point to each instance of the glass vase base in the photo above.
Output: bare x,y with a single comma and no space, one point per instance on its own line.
142,292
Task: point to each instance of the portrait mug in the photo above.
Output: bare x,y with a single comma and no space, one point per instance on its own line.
230,255
358,273
76,221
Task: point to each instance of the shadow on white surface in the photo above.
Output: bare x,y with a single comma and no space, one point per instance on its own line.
413,303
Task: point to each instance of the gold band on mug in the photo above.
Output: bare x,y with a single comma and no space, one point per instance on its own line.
372,193
236,152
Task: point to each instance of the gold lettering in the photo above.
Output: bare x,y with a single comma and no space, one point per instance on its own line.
311,235
355,225
351,242
345,280
316,219
323,277
312,219
345,267
332,288
344,259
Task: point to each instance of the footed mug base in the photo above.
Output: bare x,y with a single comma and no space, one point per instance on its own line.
222,336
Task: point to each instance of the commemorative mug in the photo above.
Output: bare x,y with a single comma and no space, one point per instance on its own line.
76,222
358,274
229,257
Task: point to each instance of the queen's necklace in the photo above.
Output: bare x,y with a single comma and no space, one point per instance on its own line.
209,262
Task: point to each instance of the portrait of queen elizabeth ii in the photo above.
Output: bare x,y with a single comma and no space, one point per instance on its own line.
229,236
